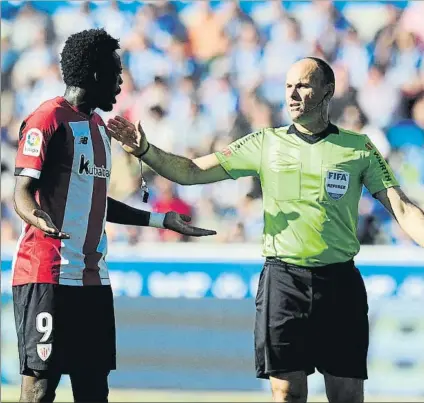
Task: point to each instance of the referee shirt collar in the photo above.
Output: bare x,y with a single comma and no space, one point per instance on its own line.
314,138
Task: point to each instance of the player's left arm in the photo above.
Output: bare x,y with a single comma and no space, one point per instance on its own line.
380,180
409,216
121,213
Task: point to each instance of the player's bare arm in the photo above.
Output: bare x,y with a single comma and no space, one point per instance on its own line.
409,216
120,213
181,170
29,210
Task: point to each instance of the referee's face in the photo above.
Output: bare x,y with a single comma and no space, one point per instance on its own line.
304,92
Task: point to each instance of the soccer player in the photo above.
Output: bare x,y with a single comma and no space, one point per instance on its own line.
61,290
311,304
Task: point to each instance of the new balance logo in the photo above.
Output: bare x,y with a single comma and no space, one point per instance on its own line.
83,140
86,168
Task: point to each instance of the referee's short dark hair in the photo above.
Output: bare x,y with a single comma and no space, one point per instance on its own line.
83,53
326,70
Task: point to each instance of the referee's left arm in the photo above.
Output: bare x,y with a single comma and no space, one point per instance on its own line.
380,180
409,216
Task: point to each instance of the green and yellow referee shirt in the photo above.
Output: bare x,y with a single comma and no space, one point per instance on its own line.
311,189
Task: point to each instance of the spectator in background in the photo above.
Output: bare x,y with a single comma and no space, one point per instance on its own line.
8,57
118,21
286,45
144,63
155,93
412,21
409,132
344,94
165,200
250,214
158,124
32,62
314,18
246,57
168,20
378,99
384,39
406,59
219,99
205,32
70,18
26,26
234,18
181,64
194,132
355,57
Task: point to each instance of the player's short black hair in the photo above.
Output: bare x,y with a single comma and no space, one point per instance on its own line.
326,70
83,53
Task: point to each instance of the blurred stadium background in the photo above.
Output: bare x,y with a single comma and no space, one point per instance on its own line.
200,75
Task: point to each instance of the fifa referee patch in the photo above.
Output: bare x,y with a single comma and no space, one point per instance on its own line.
336,184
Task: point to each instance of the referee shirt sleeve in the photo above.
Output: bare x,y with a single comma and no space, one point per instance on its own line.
243,156
378,175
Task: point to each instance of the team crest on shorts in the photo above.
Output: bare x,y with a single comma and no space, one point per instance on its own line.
44,351
336,184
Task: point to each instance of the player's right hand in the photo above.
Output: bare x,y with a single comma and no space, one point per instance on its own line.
131,136
45,224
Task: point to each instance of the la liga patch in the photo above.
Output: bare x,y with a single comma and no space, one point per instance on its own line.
33,142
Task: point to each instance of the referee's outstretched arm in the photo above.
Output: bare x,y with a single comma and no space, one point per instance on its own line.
409,216
182,170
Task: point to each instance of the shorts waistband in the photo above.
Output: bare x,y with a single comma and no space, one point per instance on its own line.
327,267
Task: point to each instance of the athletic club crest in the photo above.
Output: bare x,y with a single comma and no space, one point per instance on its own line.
336,184
44,351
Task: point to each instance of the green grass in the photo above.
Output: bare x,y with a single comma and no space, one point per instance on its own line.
64,394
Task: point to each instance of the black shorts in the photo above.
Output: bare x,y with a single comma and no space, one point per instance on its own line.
65,328
309,318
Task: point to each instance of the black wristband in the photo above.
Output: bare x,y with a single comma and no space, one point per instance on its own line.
145,152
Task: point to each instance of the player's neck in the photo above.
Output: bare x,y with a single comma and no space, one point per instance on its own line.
313,127
78,97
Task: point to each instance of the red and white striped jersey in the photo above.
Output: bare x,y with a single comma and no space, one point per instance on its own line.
69,153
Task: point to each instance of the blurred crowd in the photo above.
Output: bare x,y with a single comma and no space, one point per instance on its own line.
201,74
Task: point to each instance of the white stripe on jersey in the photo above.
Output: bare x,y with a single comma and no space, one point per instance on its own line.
32,173
102,247
78,206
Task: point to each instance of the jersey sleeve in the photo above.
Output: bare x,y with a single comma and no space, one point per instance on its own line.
34,136
378,175
243,156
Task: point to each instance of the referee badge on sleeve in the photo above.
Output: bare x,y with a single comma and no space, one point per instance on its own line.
44,351
336,184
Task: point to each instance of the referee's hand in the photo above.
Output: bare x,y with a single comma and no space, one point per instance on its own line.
179,223
45,224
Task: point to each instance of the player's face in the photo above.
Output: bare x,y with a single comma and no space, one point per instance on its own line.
305,92
108,84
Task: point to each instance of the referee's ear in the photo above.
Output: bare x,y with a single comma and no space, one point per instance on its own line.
330,93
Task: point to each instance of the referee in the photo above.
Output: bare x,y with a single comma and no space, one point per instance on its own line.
311,304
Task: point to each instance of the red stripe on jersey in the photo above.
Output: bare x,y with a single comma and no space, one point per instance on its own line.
39,259
95,221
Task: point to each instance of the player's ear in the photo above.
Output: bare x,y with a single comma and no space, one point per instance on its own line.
95,76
